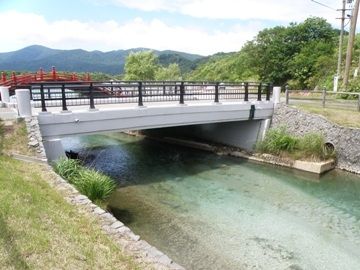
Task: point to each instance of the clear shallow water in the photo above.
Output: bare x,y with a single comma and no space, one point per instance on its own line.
212,212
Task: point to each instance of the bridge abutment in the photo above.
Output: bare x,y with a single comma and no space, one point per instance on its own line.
241,134
53,149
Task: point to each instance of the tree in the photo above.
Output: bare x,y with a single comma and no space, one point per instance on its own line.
141,66
170,73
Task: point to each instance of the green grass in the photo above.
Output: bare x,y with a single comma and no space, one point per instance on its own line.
15,140
2,135
278,141
68,169
95,185
343,117
40,230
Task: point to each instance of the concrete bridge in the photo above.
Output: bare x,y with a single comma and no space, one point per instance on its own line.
235,114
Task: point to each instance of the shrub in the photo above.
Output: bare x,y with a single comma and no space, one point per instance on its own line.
95,185
278,140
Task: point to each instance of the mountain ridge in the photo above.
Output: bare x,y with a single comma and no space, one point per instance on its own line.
33,57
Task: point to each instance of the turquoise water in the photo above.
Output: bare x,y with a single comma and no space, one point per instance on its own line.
213,212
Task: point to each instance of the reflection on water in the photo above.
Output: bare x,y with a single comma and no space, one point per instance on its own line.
211,212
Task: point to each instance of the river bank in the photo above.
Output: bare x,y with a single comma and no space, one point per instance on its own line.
345,140
46,223
211,211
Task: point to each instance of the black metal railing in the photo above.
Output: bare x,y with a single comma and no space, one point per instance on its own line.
64,94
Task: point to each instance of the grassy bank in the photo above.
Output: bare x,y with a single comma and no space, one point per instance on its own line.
39,229
343,117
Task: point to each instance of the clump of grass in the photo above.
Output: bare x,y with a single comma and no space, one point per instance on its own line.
311,146
279,141
94,184
68,169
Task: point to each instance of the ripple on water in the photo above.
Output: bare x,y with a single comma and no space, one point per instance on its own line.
211,212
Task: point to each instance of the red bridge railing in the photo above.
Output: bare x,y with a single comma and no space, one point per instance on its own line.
16,80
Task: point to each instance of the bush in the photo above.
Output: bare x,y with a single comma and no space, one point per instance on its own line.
278,140
2,135
95,185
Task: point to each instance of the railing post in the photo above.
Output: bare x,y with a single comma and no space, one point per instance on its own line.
323,97
246,96
164,89
268,91
358,104
42,96
259,92
287,95
91,96
63,98
182,92
140,101
216,92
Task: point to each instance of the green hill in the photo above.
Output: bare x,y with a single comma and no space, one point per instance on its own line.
33,57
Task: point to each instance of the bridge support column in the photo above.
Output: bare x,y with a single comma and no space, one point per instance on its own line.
54,150
4,91
23,102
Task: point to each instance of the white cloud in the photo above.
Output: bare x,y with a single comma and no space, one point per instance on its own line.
279,10
27,29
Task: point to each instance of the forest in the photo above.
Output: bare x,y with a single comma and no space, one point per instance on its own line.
302,55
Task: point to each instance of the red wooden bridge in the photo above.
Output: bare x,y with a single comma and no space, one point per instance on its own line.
40,77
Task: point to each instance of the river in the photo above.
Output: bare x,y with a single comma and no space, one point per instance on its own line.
213,212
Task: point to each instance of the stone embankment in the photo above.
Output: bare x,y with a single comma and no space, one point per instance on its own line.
142,252
345,140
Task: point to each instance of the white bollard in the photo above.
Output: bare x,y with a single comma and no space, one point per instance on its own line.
336,83
276,94
4,91
23,102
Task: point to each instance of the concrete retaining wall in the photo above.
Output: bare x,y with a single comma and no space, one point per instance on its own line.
242,134
345,140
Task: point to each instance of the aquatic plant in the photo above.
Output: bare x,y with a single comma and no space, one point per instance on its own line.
68,169
94,184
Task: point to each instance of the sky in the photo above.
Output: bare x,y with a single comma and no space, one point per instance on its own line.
195,26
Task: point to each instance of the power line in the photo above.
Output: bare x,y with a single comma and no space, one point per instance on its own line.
321,4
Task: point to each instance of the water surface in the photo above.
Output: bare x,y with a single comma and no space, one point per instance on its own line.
213,212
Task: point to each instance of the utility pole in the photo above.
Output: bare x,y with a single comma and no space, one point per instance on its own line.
338,71
354,15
